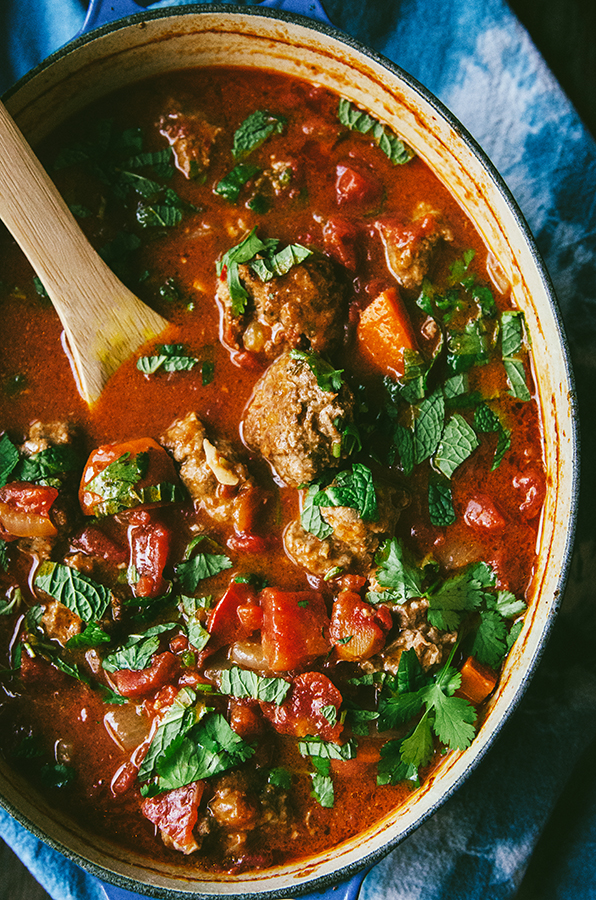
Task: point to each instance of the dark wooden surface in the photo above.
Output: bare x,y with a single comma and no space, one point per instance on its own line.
565,33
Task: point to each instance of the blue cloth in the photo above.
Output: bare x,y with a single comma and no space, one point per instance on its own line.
528,812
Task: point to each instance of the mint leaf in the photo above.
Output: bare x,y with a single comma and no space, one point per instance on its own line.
311,518
428,426
92,636
9,457
271,265
239,682
85,597
352,488
516,375
457,443
231,184
357,120
255,130
440,504
512,332
197,566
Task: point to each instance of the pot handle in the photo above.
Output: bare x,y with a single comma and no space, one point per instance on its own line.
102,12
347,890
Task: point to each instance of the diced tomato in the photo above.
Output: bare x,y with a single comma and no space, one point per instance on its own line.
358,629
248,543
149,551
341,237
251,616
179,643
384,332
351,582
482,515
357,186
307,708
162,670
295,628
175,813
95,542
25,510
477,681
246,719
160,470
224,623
531,485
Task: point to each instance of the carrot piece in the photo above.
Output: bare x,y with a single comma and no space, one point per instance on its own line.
477,681
385,331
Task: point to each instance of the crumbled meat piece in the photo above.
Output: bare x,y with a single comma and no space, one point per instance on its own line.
233,805
217,481
304,307
191,138
60,622
49,434
295,424
354,542
409,248
430,644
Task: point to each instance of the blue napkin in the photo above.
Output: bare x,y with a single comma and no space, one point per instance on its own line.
524,823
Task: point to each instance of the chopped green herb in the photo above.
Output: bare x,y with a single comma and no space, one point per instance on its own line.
197,566
328,378
239,682
231,184
458,442
136,653
255,130
169,358
85,597
353,488
358,120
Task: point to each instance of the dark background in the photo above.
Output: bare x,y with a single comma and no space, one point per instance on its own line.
565,33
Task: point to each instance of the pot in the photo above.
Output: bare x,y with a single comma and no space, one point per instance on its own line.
147,43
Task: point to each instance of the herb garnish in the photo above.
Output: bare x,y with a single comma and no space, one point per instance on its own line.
357,120
255,130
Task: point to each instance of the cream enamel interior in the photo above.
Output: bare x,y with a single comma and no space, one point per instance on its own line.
123,55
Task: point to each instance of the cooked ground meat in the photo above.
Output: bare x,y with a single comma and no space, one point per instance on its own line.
218,482
60,623
191,137
303,308
409,248
354,542
295,424
43,435
430,644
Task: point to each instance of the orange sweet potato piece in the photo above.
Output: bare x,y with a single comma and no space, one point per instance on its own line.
477,681
385,331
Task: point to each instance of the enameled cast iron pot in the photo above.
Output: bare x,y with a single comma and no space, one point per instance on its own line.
152,42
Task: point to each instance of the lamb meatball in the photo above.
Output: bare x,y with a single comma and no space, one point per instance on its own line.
303,308
295,424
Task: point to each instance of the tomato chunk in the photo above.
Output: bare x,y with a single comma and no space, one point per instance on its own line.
175,813
307,709
295,628
226,622
149,543
163,669
95,542
358,629
385,332
482,515
25,510
357,186
142,464
341,241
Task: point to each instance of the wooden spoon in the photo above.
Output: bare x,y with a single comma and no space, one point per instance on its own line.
103,321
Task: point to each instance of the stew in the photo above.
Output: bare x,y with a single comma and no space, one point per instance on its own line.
251,598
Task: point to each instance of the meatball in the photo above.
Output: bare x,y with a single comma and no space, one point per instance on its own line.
410,248
218,482
303,308
353,543
295,424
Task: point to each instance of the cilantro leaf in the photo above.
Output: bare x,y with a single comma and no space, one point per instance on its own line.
197,566
45,465
417,749
170,358
85,597
178,719
271,265
328,378
454,717
490,640
397,572
9,458
92,636
136,653
392,769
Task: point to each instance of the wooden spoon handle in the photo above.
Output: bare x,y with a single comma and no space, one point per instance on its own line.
104,322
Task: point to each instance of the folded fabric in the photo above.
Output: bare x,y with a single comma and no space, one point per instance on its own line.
480,62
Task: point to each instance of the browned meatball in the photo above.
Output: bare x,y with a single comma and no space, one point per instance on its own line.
303,308
295,424
410,248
